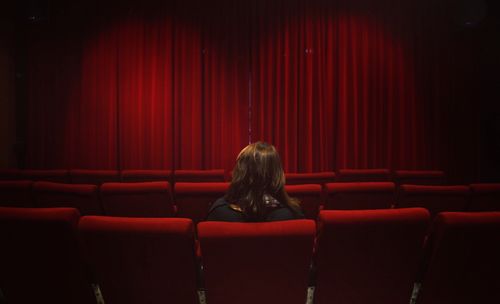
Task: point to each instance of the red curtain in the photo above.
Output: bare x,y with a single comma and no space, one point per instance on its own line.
187,84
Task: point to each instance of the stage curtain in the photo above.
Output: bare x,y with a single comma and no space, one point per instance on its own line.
187,84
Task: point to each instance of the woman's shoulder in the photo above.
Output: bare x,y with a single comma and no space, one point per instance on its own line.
222,211
284,213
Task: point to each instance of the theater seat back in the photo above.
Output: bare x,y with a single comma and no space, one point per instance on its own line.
434,198
464,262
141,260
309,196
369,256
363,175
364,195
484,197
141,199
16,193
39,258
248,263
83,197
193,200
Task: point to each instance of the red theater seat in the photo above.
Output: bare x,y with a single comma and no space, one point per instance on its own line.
11,174
146,175
96,177
363,175
367,195
369,256
141,260
59,176
414,177
148,199
309,196
434,198
484,197
464,265
16,193
309,178
193,200
83,197
39,258
197,176
256,262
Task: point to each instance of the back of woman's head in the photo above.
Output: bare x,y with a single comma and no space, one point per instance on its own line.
258,172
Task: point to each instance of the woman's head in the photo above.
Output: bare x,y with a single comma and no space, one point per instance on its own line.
259,166
258,171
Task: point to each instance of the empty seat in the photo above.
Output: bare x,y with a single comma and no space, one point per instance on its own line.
193,200
83,197
363,175
484,197
96,177
419,177
434,198
39,259
16,193
256,262
146,175
196,176
141,260
369,256
367,195
148,199
464,262
309,196
309,178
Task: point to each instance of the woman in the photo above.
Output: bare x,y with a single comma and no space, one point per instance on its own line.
257,191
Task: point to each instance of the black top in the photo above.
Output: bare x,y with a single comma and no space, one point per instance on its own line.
221,211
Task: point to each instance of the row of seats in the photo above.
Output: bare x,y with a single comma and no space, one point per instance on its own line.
51,255
220,175
192,200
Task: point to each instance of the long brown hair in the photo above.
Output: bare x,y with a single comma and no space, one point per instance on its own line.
258,171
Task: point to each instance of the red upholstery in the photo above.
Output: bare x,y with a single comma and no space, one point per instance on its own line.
256,262
146,175
83,197
435,198
60,176
193,200
415,177
11,174
309,196
195,176
363,175
148,199
39,259
96,177
16,193
141,260
369,256
484,197
367,195
309,178
465,263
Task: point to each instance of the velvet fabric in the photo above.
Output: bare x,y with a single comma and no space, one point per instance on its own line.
83,197
369,256
141,260
464,264
146,199
193,200
39,254
362,195
253,262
